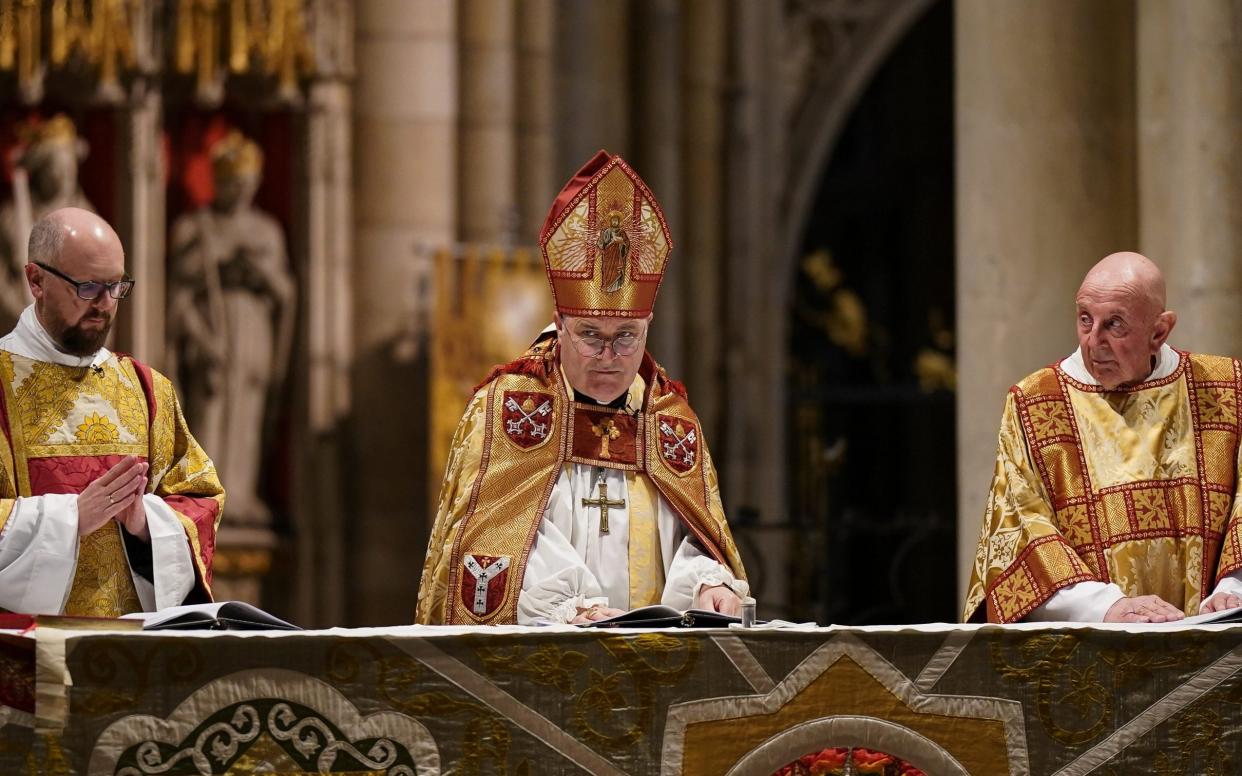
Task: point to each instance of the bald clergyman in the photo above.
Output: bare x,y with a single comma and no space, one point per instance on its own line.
1115,494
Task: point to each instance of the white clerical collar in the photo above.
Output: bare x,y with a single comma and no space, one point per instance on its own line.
633,396
1166,363
31,340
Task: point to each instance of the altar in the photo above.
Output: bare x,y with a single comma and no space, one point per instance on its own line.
509,700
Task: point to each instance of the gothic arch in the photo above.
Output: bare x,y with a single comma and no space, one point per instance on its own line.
837,49
826,53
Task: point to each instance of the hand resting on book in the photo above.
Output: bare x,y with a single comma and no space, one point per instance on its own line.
595,614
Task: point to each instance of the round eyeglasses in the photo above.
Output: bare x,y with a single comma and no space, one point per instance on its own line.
624,344
91,289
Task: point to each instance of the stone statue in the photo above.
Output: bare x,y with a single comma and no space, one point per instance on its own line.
231,305
45,178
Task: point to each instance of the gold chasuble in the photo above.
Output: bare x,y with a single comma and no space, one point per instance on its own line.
498,482
64,426
1136,486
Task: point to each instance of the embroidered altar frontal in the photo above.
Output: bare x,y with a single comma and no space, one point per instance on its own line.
419,700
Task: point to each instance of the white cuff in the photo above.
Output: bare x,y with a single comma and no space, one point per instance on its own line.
39,554
566,610
1080,602
171,563
740,587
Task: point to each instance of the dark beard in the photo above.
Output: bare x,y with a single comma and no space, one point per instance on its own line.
78,342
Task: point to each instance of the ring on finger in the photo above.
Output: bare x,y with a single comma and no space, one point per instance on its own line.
110,501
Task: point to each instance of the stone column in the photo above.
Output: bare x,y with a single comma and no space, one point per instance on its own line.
405,189
406,143
141,225
322,367
536,154
488,141
657,158
753,471
140,193
593,41
1190,164
324,238
705,55
1046,187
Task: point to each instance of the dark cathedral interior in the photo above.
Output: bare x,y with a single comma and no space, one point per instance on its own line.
617,387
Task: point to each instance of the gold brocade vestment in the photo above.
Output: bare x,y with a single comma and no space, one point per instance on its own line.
517,433
1136,486
64,426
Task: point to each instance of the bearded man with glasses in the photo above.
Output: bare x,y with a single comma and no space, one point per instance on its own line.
107,504
579,484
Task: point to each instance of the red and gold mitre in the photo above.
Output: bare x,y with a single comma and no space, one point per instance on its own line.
605,243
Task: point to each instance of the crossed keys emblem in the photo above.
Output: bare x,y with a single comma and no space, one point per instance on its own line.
679,445
527,417
529,412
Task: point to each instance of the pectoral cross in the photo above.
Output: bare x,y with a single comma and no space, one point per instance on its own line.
603,503
607,431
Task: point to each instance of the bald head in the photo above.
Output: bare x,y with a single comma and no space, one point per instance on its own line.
1122,323
70,231
1128,273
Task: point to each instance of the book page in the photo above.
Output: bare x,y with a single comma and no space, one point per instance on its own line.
1228,615
152,619
230,615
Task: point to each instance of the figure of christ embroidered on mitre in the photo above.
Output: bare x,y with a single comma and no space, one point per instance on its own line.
614,248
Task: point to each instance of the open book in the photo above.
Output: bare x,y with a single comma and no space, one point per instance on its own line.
658,616
226,615
1228,615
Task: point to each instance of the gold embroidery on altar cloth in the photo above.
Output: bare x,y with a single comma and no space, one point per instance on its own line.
1076,700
